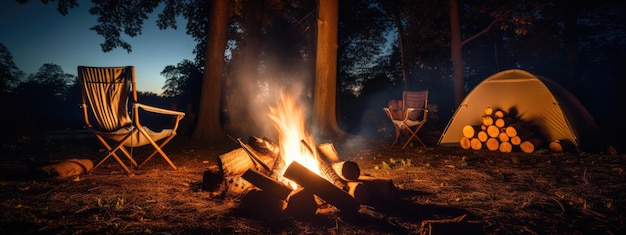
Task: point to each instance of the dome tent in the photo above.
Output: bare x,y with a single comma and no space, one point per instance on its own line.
537,100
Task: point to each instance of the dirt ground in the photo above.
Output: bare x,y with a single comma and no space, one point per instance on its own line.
498,193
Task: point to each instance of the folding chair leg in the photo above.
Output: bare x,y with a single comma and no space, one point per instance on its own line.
111,153
395,141
413,136
157,149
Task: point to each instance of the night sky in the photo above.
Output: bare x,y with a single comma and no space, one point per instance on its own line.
36,34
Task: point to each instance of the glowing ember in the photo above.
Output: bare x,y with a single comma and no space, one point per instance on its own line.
289,121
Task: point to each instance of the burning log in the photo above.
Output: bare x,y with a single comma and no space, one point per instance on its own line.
264,146
280,190
358,190
301,203
321,187
347,170
328,151
327,170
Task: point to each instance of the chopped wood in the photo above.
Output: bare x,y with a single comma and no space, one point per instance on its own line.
328,151
326,170
264,146
492,144
213,180
261,204
531,145
476,144
380,191
503,122
321,187
278,189
347,170
235,162
521,129
301,203
254,156
470,131
487,120
503,137
482,136
515,140
493,131
499,114
488,111
555,146
465,142
358,190
505,147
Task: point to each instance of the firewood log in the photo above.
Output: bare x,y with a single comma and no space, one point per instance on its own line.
558,146
505,147
380,191
515,140
470,131
488,111
476,144
487,120
499,114
503,137
347,170
493,131
326,170
328,151
301,204
358,190
261,204
235,162
482,136
531,145
503,122
492,144
280,190
555,146
521,129
465,142
264,146
321,187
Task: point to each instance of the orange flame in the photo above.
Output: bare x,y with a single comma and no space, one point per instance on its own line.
289,120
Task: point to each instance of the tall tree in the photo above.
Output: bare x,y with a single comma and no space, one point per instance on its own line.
325,90
209,126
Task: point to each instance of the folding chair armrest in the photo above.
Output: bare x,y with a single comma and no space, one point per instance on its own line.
159,110
409,110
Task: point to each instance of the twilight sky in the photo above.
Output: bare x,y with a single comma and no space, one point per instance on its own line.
36,34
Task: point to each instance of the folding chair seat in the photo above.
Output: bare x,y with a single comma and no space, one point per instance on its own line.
409,119
106,92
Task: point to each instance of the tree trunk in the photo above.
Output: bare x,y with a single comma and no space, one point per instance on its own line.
400,28
325,90
209,126
456,53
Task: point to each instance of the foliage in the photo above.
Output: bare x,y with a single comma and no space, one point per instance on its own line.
9,72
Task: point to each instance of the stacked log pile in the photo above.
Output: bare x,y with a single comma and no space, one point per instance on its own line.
499,131
251,172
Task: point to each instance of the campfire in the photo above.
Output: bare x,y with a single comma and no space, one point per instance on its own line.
294,176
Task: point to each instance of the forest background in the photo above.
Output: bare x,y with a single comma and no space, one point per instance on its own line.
383,48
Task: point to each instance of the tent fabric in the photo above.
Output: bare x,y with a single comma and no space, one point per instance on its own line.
556,113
